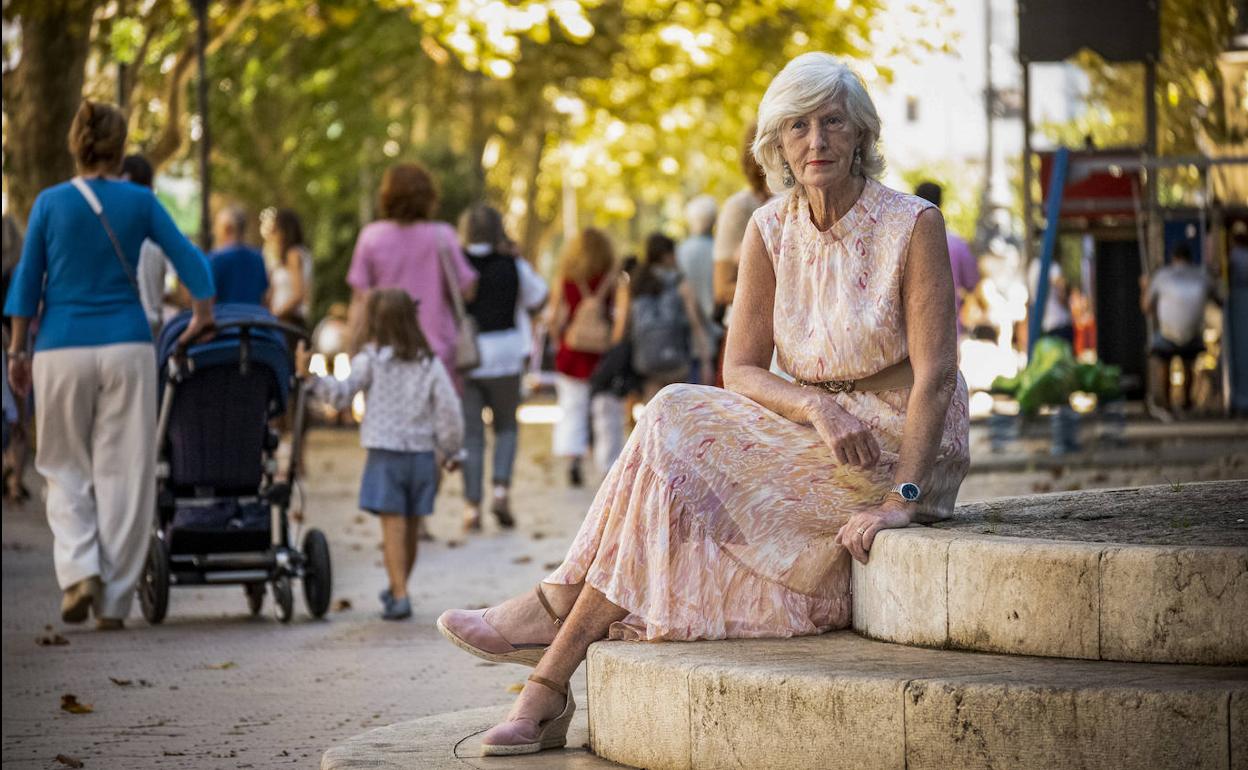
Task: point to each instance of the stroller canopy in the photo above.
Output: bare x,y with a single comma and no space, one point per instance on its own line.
267,346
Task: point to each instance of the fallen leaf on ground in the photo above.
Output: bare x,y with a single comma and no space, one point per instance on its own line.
452,543
552,565
359,518
68,761
342,605
51,640
539,535
522,560
515,687
296,517
120,682
223,666
70,703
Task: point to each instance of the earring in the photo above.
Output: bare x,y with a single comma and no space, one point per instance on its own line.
855,168
788,175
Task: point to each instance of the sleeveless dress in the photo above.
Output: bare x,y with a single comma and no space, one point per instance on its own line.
717,521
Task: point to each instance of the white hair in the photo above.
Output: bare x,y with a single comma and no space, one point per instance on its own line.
807,83
700,214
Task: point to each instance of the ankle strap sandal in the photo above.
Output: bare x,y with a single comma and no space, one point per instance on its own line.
541,598
549,684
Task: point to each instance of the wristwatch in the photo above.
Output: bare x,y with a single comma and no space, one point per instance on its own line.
909,491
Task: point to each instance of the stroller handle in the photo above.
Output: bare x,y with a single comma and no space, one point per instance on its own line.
285,328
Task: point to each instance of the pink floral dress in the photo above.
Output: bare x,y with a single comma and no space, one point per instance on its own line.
718,519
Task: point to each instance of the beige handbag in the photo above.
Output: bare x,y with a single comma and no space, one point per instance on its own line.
589,331
467,354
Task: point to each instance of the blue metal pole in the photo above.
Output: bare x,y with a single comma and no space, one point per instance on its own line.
1057,185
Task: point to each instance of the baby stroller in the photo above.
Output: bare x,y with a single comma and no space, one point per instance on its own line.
217,488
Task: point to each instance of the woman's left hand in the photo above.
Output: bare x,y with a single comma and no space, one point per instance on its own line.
857,534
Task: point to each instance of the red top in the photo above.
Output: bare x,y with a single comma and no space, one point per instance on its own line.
574,363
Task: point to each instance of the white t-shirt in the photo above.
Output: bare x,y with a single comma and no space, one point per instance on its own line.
283,288
1180,292
504,352
1056,313
153,265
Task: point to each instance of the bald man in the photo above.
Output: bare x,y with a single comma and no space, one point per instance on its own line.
237,269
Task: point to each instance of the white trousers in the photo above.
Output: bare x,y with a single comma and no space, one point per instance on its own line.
572,431
95,413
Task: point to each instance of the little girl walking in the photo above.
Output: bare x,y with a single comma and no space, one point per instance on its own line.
412,415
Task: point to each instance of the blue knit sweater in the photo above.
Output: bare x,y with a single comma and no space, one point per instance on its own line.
69,265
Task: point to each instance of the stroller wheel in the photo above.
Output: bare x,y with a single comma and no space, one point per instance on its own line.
255,597
318,578
283,598
154,585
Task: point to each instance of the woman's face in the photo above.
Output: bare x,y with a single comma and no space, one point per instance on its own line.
819,146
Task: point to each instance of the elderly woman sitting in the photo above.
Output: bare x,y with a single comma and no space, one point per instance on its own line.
734,513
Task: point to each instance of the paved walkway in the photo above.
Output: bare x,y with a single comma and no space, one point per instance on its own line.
211,688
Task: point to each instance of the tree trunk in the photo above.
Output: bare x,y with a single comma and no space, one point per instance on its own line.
42,94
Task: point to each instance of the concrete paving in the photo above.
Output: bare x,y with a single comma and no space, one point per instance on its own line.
211,688
453,741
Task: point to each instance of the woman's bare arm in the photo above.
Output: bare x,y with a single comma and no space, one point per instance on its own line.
724,281
623,306
931,335
747,359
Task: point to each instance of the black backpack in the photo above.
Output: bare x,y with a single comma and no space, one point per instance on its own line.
659,330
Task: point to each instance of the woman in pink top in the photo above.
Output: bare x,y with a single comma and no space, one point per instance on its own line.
400,250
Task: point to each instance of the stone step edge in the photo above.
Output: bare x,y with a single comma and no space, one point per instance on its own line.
834,701
450,740
1056,598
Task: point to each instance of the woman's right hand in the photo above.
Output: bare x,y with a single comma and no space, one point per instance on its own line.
848,438
202,320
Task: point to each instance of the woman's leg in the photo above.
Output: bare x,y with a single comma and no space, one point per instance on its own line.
589,621
65,388
411,544
504,398
475,396
608,414
571,436
394,551
124,469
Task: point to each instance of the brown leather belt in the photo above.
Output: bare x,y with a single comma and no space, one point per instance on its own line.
899,375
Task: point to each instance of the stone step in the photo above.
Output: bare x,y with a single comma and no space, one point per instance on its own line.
1024,576
452,741
840,701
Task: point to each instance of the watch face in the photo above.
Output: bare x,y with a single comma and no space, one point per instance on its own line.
910,491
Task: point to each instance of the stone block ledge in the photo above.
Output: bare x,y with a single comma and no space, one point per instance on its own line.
841,701
1028,591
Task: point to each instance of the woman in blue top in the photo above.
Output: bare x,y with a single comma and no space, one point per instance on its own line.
94,369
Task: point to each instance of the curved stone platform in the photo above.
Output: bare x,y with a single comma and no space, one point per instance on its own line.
1023,576
450,741
842,701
